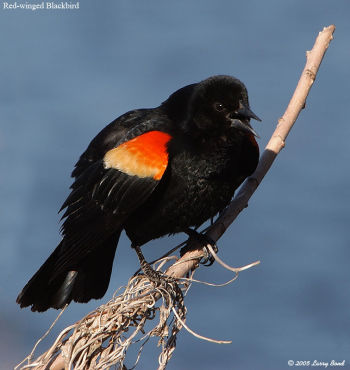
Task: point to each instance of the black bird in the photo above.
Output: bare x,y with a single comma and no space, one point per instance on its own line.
150,172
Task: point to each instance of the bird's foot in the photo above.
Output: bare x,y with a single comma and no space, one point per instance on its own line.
204,240
157,278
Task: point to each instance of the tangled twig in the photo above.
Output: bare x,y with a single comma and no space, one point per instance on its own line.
102,338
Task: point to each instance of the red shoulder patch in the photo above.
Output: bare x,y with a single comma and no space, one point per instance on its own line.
144,156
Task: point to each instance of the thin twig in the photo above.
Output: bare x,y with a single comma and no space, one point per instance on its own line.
198,335
30,356
222,263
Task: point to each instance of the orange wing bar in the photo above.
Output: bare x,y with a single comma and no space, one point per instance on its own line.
144,156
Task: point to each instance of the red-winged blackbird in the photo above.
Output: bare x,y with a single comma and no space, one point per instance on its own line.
150,172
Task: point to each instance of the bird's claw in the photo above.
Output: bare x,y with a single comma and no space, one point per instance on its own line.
208,259
157,278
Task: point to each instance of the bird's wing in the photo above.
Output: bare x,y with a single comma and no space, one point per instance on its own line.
118,171
103,196
112,134
115,185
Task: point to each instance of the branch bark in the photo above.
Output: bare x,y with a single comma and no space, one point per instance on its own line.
189,261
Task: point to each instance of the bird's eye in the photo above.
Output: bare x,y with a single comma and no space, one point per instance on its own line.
219,107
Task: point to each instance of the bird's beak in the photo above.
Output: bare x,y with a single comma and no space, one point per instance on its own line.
247,112
243,124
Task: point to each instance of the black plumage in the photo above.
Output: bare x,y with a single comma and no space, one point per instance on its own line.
150,172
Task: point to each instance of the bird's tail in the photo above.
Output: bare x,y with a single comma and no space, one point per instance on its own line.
56,284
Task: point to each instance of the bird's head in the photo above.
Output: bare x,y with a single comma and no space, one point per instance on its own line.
219,105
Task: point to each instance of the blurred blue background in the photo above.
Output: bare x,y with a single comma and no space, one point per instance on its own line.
66,74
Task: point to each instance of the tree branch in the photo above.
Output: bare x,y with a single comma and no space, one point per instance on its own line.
98,340
273,147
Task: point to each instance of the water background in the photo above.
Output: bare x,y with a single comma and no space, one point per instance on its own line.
66,74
